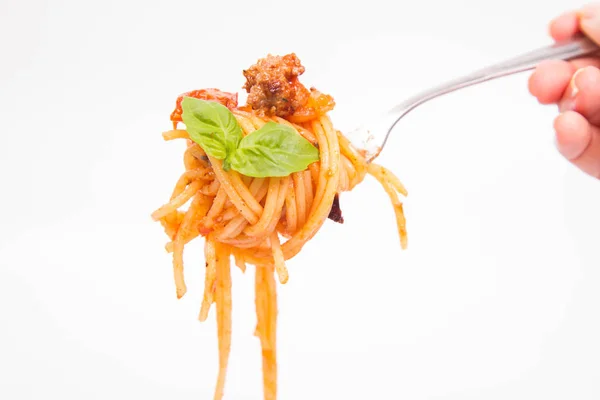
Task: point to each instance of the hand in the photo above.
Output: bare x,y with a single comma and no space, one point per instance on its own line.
575,87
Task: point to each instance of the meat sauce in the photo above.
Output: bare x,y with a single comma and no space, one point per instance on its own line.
229,100
274,89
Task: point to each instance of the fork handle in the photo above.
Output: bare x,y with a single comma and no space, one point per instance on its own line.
577,47
574,48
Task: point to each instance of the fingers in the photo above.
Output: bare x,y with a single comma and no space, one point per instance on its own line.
551,78
589,21
585,62
586,20
577,132
564,26
579,142
549,81
583,94
575,86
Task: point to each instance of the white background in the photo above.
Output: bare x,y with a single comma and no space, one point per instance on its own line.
496,297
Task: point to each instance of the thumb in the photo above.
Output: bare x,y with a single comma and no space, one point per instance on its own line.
589,21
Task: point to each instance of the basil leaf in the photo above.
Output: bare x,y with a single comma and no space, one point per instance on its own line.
273,150
212,126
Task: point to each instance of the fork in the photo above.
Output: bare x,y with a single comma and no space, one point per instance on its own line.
372,137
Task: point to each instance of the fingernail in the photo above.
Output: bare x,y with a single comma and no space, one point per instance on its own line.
568,102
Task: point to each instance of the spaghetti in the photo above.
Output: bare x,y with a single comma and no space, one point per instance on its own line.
262,221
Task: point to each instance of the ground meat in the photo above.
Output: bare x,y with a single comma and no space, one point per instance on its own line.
273,86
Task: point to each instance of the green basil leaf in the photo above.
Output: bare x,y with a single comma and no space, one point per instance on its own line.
212,126
273,150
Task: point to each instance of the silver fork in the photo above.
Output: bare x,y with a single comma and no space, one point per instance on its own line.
373,136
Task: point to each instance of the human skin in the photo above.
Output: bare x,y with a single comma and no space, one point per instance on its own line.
575,88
